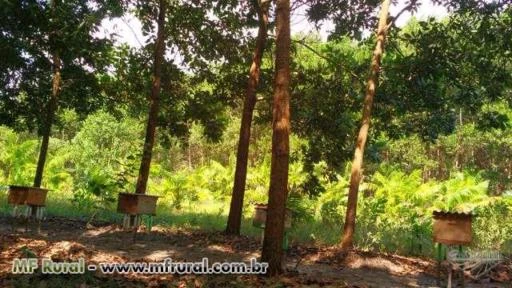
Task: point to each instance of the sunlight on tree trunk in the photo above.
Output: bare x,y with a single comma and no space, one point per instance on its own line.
237,199
149,141
355,176
278,190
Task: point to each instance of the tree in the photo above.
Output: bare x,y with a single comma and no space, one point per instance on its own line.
52,105
274,227
416,94
327,122
200,36
142,180
355,176
470,71
237,198
350,18
50,43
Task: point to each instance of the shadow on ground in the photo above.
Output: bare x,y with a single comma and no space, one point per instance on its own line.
63,239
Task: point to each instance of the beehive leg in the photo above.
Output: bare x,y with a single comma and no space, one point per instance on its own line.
14,214
133,219
285,241
31,216
33,211
136,223
149,224
439,253
126,221
450,271
39,217
28,212
461,268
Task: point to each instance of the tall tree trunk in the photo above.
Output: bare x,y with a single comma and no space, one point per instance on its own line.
355,176
50,111
47,126
237,198
145,164
278,190
189,152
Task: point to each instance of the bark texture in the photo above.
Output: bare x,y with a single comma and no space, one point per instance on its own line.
149,141
50,114
237,198
355,176
50,111
278,190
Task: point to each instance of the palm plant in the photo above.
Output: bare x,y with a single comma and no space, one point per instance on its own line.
462,194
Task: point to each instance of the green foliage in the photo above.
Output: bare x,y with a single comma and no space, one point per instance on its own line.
441,137
492,226
469,72
211,182
462,194
67,124
395,209
16,154
332,203
395,204
31,32
102,158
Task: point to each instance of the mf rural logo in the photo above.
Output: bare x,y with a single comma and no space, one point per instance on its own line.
48,266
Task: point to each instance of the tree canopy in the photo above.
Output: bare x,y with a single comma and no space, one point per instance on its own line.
239,110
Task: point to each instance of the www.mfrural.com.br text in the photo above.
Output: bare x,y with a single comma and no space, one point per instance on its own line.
167,266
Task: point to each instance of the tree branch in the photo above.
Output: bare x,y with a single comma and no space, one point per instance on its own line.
406,8
330,60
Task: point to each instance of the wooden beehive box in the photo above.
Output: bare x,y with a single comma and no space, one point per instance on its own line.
452,228
260,217
22,195
135,204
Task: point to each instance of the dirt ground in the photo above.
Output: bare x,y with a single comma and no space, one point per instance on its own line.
66,240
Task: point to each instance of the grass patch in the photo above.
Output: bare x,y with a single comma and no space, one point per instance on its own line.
206,216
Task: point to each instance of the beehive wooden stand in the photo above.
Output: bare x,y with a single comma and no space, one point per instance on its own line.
133,206
260,218
22,195
33,199
452,228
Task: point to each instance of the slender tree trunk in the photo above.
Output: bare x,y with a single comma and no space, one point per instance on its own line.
355,176
189,153
278,191
50,112
47,126
237,198
145,164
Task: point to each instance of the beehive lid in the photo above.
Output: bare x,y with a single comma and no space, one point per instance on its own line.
452,215
27,187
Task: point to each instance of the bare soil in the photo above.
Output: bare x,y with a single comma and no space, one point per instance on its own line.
63,239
